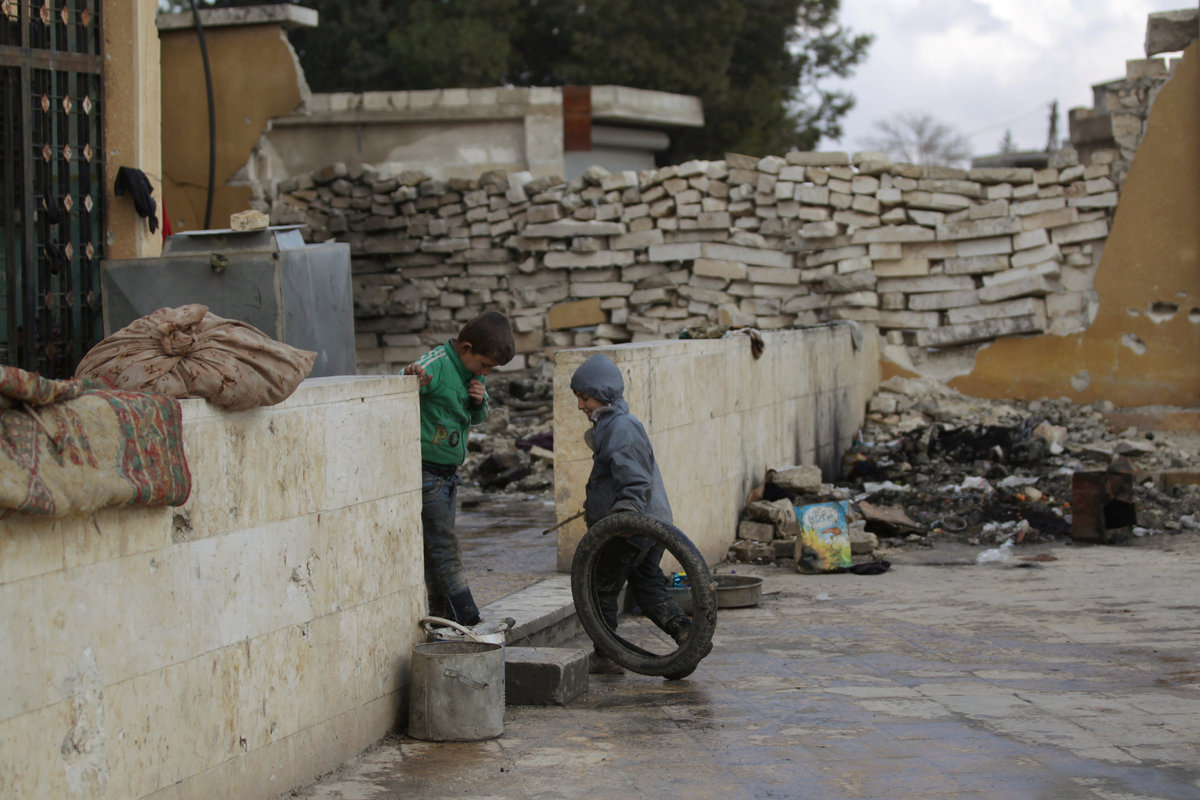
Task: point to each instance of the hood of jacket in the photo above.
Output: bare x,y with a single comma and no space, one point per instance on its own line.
600,378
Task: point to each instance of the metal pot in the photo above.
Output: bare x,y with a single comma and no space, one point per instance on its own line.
733,591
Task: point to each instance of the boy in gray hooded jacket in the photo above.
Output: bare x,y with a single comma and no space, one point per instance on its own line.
624,477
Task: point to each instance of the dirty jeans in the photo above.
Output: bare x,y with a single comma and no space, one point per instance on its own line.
617,563
445,584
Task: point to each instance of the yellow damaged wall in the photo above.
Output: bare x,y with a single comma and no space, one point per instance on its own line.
1149,270
255,78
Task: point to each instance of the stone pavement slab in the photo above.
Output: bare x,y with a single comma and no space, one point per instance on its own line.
1076,678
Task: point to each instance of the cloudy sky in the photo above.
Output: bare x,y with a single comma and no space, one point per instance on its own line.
987,66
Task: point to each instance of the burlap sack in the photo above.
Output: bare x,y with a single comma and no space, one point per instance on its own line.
190,352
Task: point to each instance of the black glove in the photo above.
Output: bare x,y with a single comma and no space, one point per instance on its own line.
135,182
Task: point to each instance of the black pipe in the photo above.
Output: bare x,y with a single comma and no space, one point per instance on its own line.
212,124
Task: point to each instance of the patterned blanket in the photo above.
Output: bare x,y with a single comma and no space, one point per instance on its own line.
70,447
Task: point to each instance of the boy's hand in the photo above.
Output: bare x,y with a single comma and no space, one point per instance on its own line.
476,391
416,369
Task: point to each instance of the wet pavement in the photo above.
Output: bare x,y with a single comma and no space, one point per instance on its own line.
503,548
1063,679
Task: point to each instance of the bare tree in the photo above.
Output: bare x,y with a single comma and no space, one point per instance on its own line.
918,138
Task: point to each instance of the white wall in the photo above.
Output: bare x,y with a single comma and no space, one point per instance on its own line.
235,646
719,418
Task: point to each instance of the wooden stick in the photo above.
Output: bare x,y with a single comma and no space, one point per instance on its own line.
564,522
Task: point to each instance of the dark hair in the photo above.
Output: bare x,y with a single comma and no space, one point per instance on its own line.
490,335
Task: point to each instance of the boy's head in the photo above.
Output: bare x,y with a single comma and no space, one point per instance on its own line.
598,378
485,342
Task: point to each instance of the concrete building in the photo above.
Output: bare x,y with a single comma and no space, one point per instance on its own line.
269,126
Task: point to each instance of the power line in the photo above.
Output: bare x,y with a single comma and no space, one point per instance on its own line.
994,126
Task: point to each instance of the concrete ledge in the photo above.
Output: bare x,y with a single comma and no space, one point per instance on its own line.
287,15
545,613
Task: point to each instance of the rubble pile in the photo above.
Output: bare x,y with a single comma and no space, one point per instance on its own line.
513,451
932,465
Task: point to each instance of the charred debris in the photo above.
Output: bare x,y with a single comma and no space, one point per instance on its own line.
930,465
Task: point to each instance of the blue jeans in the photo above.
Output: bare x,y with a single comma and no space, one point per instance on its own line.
621,560
446,586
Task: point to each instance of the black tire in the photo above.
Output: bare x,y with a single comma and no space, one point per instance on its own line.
682,661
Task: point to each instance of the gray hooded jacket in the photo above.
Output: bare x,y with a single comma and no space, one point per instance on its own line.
625,476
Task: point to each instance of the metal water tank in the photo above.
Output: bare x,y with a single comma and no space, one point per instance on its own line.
294,292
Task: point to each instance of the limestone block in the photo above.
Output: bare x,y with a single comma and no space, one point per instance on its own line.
864,184
1021,307
885,251
1048,269
820,230
1037,206
575,314
892,233
904,268
1037,255
1080,232
840,199
857,300
992,208
1055,218
930,219
1170,31
849,282
1000,245
747,255
1105,200
563,229
978,228
932,283
788,276
999,175
1035,285
665,253
934,201
751,531
932,301
1026,240
812,195
584,289
975,265
557,259
853,265
815,159
908,320
743,177
985,330
798,478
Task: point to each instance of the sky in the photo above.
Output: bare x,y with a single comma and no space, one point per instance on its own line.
987,66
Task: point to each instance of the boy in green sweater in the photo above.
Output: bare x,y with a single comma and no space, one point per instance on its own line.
453,399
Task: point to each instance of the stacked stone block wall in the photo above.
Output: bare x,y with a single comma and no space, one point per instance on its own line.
935,257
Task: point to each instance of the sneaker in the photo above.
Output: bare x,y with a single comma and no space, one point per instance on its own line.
599,664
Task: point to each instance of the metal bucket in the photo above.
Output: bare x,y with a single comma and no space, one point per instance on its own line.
456,692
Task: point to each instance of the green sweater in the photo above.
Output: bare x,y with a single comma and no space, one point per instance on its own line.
447,412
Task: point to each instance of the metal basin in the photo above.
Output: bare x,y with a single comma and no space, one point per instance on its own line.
733,591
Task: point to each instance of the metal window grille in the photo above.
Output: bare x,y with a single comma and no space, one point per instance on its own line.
51,183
